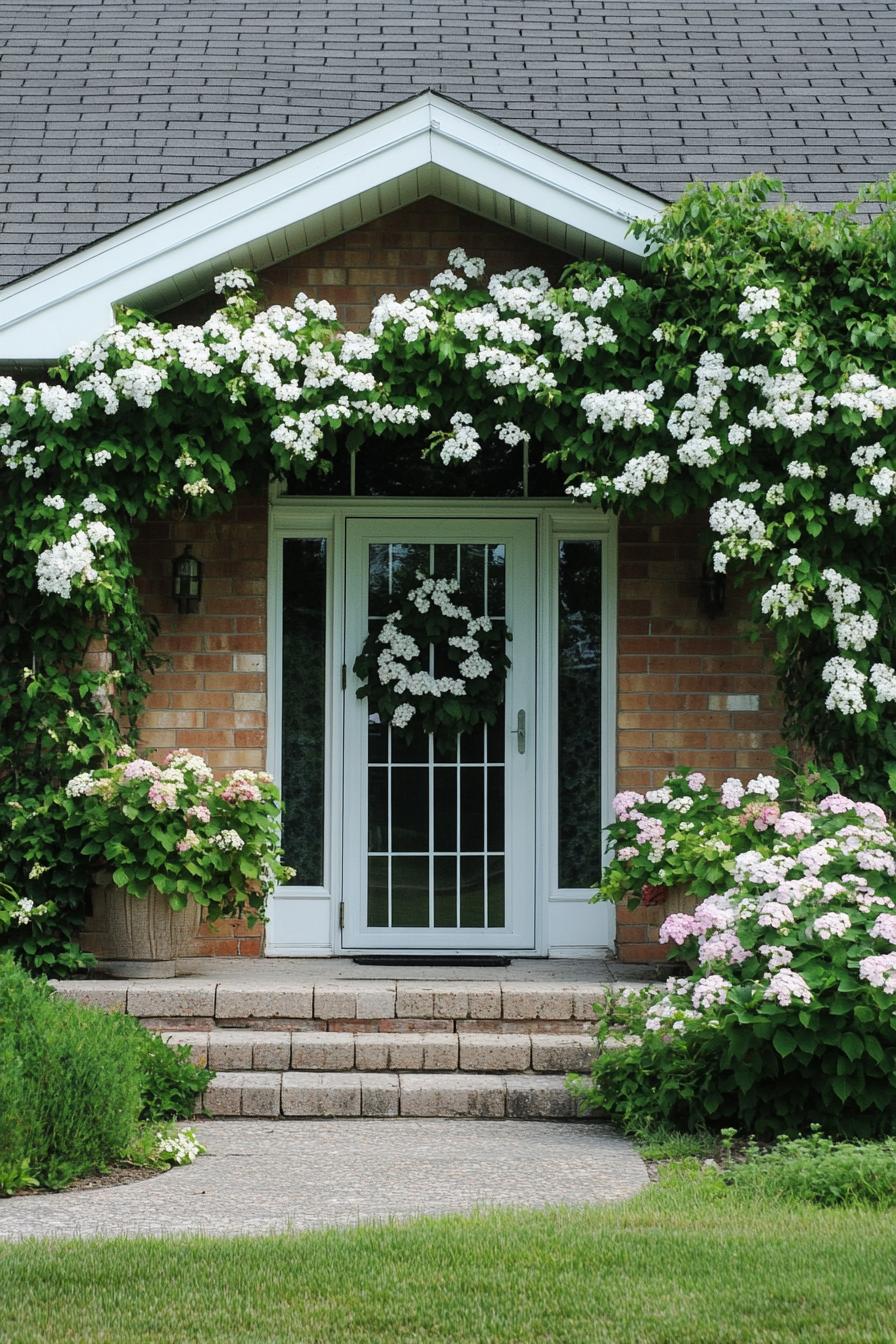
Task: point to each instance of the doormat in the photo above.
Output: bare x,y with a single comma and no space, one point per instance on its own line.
431,961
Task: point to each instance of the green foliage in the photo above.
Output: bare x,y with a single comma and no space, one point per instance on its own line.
75,1082
151,420
36,936
170,1082
70,1081
816,1169
753,1066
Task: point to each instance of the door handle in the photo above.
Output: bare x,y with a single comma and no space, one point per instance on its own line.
520,731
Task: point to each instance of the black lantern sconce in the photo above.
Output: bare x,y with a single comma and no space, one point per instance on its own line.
712,591
186,581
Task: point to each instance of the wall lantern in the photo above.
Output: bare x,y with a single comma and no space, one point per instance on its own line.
186,580
712,591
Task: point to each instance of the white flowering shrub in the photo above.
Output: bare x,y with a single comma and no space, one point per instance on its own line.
178,829
788,1016
747,374
433,664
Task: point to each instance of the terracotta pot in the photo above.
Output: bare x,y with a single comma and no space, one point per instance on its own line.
141,935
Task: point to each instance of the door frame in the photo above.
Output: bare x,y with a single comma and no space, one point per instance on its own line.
305,921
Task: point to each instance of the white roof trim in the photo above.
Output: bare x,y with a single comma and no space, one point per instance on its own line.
44,313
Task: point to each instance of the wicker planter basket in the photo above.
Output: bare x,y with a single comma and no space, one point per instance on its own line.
140,936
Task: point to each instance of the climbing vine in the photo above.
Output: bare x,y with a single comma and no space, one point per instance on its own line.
746,372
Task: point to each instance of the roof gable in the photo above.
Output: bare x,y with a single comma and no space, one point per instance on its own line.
427,146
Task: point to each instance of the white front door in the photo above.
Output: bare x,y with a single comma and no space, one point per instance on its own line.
439,848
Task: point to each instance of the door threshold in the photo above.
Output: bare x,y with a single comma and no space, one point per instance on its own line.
389,959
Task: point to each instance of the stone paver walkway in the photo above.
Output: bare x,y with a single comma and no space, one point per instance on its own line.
261,1176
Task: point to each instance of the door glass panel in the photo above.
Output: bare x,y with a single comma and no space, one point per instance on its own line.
435,819
579,713
303,672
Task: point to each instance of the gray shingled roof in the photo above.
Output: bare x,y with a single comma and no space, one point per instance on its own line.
110,111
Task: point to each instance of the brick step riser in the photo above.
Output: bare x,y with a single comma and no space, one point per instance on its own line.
387,1025
342,1052
307,1096
320,1006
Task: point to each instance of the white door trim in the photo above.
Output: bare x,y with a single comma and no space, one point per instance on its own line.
304,921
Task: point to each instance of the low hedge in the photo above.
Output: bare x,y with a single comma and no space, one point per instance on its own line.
76,1082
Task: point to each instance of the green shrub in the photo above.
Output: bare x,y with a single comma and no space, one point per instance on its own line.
170,1081
819,1170
75,1082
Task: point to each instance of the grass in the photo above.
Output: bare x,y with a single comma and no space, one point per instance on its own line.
686,1262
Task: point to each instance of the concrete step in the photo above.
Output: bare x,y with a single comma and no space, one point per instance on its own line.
332,1095
194,1003
253,1050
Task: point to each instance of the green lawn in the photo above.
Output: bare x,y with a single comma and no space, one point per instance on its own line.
679,1264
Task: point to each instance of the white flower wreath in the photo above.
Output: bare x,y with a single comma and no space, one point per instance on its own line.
394,663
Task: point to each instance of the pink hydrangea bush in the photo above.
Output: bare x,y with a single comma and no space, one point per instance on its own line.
175,827
789,1015
685,833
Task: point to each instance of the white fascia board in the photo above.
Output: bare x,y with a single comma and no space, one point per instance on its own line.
558,186
43,314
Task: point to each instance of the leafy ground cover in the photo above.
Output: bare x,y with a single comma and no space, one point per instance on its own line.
691,1260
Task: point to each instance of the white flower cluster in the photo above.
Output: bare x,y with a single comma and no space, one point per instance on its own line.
463,443
182,1147
413,314
757,300
741,529
847,683
783,600
618,407
229,281
73,558
691,416
865,393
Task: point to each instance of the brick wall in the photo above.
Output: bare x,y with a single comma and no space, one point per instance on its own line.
676,668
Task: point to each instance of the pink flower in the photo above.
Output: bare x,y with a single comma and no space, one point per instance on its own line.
870,812
836,804
624,802
775,915
761,815
880,972
139,768
678,929
162,796
627,852
200,812
240,791
190,841
731,793
696,781
793,823
712,989
723,946
650,831
785,986
884,927
833,925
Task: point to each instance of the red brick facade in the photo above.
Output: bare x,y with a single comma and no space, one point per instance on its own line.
677,669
